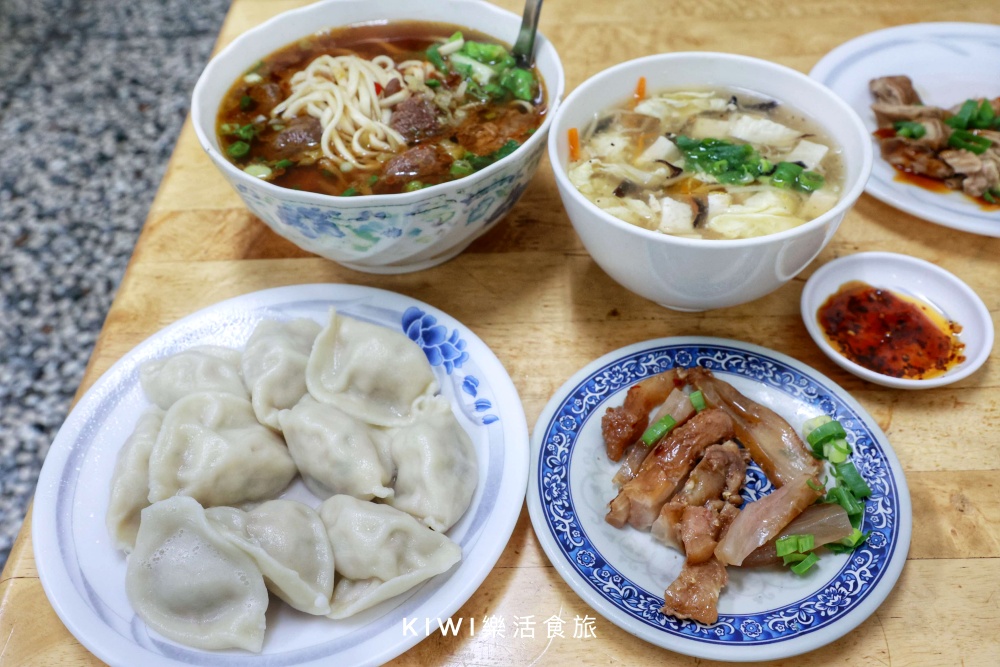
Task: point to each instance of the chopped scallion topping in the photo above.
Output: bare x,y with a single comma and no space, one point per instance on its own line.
851,478
246,103
697,400
258,170
656,431
349,192
238,149
803,566
284,164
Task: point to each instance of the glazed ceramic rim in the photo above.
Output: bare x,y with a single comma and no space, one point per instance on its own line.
231,51
818,289
846,201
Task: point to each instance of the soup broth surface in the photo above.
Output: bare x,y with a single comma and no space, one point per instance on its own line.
708,163
452,113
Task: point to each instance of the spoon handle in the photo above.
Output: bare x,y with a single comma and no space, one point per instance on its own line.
524,47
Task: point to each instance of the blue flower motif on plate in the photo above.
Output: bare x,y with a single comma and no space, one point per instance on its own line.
311,221
440,348
858,574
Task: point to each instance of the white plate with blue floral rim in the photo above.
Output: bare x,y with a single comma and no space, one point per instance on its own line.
948,64
84,576
764,613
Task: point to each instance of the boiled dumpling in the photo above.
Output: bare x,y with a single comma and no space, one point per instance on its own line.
335,452
288,542
130,481
436,468
212,448
203,368
191,584
274,366
380,552
368,371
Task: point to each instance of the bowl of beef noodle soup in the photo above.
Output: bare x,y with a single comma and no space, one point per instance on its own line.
384,136
706,180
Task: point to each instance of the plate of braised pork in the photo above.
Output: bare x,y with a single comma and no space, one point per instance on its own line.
930,94
718,499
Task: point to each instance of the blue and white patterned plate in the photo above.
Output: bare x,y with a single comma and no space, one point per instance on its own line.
84,576
764,613
948,63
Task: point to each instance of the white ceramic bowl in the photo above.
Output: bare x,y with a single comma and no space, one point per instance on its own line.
700,274
913,277
378,233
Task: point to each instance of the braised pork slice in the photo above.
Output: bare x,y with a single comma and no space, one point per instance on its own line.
624,425
912,156
695,592
888,114
894,90
718,478
764,519
640,500
771,440
982,172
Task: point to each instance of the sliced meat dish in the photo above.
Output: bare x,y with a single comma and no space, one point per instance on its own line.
421,161
640,500
624,425
826,522
887,114
415,118
912,156
982,172
299,134
894,90
764,519
771,440
695,592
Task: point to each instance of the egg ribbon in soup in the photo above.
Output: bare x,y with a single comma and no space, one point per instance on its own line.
379,109
713,164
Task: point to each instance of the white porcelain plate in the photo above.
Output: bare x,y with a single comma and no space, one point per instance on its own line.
909,276
84,576
764,613
948,63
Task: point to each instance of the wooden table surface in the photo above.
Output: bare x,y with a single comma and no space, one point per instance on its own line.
554,311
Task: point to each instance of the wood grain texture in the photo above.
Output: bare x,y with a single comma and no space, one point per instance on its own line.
554,310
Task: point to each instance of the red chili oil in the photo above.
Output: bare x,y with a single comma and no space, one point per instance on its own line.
890,333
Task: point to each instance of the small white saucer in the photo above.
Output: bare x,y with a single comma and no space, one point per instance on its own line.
912,277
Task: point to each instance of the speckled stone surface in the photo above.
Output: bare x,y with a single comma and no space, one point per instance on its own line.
92,97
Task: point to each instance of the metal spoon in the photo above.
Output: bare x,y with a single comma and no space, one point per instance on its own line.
524,47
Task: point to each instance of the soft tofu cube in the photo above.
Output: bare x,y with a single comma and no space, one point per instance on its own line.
819,202
718,202
762,131
661,149
676,217
709,128
808,153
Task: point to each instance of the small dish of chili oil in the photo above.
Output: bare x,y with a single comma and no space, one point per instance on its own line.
897,320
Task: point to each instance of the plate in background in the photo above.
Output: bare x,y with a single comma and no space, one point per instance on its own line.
948,63
764,614
84,575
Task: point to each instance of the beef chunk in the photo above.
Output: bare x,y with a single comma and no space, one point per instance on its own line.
300,134
415,118
423,162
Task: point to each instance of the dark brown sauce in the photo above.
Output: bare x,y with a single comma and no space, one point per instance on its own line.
889,333
487,126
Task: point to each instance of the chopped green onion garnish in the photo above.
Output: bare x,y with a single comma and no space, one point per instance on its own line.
785,174
814,423
815,487
836,450
373,179
960,121
258,170
284,164
246,102
460,168
697,400
349,192
432,83
848,474
964,139
803,566
828,431
238,149
658,430
436,59
413,186
988,196
809,181
247,132
795,544
457,35
793,557
843,497
228,128
910,129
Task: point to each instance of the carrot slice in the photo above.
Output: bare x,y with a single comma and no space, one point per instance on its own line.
640,91
574,144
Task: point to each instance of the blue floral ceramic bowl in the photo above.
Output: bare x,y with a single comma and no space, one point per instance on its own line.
380,233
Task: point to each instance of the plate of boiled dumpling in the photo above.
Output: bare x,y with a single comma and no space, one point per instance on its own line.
284,478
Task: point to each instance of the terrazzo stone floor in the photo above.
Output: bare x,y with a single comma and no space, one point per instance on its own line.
92,98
